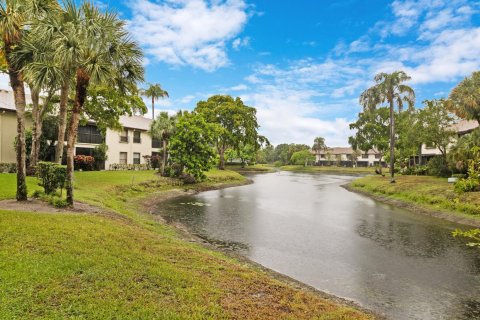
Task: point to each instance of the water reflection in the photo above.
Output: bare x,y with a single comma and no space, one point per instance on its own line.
308,227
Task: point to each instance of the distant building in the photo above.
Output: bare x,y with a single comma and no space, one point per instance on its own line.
343,156
128,146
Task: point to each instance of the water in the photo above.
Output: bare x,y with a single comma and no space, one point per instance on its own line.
400,264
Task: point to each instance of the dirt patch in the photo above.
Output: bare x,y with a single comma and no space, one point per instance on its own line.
449,216
36,205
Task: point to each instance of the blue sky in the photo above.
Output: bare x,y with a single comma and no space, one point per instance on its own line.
302,64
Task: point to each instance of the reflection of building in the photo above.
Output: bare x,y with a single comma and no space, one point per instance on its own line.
126,146
343,156
462,128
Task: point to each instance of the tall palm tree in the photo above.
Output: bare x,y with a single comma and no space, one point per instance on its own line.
319,144
155,92
162,128
464,100
98,49
389,89
15,19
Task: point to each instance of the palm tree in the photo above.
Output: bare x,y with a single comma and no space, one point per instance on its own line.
464,100
162,128
319,144
15,19
389,89
97,49
155,92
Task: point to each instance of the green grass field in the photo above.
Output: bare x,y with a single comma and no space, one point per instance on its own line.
129,266
329,169
251,168
429,192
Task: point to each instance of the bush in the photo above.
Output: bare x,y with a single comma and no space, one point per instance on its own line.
52,176
100,156
467,185
84,163
438,167
188,178
8,167
417,170
129,166
278,163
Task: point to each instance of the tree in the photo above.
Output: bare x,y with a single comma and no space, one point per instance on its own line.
464,99
436,123
155,92
97,47
319,144
15,16
461,152
372,129
410,135
162,128
389,89
303,157
237,122
191,145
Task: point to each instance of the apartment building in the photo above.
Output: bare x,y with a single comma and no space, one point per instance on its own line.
343,156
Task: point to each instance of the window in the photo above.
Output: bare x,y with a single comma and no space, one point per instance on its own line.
377,156
136,137
365,156
84,151
89,134
123,157
156,143
136,158
124,135
322,156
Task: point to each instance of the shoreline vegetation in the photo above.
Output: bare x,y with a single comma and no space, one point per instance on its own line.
428,195
121,261
329,169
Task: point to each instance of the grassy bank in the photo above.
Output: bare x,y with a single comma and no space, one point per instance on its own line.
422,191
124,264
252,168
329,169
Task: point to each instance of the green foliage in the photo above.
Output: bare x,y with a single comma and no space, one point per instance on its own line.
283,152
191,146
319,144
464,99
473,235
84,163
52,176
461,153
8,167
467,185
303,157
100,156
438,167
472,182
372,131
129,166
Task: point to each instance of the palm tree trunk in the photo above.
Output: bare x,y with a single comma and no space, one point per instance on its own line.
153,108
392,142
16,83
62,121
164,158
36,128
80,95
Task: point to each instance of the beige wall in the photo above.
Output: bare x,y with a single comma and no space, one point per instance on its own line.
112,139
8,132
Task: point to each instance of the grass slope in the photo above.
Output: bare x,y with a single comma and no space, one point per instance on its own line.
329,169
429,192
128,266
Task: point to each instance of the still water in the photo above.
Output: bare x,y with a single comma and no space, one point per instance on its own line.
400,264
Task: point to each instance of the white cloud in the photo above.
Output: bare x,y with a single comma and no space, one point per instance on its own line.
240,42
188,32
240,87
4,82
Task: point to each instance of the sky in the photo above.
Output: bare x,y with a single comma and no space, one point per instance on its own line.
302,64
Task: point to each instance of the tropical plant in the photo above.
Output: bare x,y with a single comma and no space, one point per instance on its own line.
155,92
16,17
464,99
303,157
389,89
162,128
319,144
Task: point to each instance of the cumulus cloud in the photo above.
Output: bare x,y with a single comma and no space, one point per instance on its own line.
188,32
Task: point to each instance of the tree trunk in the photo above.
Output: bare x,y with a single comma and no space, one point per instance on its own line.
80,95
153,108
62,121
16,83
36,128
392,142
164,158
221,152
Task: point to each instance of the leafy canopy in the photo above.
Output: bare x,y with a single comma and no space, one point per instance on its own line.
464,99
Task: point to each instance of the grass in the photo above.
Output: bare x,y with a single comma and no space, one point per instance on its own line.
129,266
329,169
251,168
429,192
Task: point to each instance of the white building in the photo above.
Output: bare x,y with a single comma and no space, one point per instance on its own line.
343,156
128,146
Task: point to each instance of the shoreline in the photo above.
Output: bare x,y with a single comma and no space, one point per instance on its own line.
150,203
417,208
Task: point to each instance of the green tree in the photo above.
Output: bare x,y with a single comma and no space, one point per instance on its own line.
461,152
303,157
162,128
372,128
410,135
237,122
16,17
191,145
389,89
319,144
464,99
155,92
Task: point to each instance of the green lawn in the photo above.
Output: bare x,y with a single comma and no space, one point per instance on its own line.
329,169
251,168
128,266
430,192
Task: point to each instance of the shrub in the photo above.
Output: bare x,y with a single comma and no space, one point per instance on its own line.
188,178
51,176
277,163
177,170
152,161
467,185
125,166
100,156
8,167
438,167
84,163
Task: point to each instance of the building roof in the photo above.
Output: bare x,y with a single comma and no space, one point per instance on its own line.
8,103
136,122
465,126
343,150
